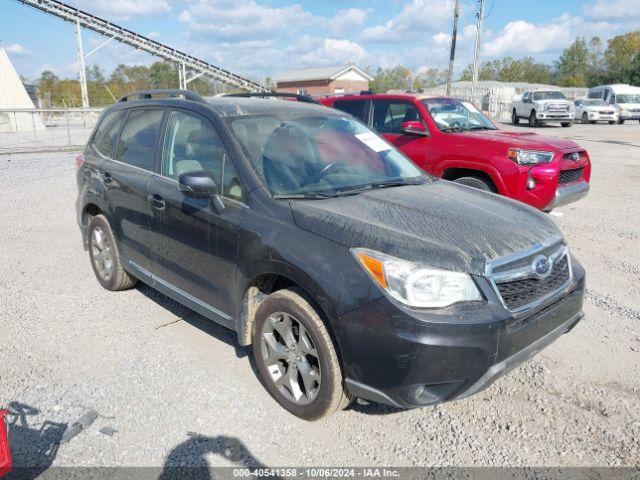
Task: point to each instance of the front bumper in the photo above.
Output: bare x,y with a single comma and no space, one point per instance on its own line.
552,116
629,115
568,194
410,358
602,117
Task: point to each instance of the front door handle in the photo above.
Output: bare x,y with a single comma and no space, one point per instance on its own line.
156,201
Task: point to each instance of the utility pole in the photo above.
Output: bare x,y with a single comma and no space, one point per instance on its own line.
476,55
82,74
454,35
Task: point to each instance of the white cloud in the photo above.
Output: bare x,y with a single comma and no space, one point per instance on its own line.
441,38
416,18
154,35
345,21
607,9
335,51
16,49
124,8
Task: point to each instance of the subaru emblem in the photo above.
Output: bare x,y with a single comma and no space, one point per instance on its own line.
542,266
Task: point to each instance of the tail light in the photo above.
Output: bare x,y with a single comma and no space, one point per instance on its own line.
5,457
79,161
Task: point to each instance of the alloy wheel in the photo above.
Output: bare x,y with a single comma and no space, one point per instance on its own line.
101,253
291,358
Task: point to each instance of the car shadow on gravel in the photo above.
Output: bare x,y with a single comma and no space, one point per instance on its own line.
33,446
193,318
189,459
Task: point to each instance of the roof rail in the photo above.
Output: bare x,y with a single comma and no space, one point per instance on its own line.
299,98
168,93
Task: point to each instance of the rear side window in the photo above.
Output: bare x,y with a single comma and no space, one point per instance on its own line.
138,138
389,115
355,108
105,136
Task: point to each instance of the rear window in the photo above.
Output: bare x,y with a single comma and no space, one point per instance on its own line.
138,138
105,136
355,107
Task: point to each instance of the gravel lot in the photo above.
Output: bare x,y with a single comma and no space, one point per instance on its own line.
177,390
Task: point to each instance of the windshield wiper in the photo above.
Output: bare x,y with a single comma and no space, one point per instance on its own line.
376,185
480,127
302,196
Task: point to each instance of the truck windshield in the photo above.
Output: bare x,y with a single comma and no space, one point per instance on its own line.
628,98
594,103
315,156
452,115
552,95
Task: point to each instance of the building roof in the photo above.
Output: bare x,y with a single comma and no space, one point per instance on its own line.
320,73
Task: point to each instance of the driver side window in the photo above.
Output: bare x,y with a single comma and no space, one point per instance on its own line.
190,144
389,115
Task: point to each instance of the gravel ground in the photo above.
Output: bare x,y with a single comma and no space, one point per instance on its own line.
177,390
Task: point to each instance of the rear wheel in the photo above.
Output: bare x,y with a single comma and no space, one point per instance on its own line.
296,358
533,121
611,122
620,121
585,117
476,182
514,117
105,258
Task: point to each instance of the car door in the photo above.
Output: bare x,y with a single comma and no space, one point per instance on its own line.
195,248
126,177
387,119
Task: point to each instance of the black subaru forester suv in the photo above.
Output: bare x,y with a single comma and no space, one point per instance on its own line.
349,271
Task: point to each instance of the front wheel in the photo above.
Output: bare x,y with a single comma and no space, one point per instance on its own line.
514,117
533,121
567,124
105,258
611,122
620,121
296,357
585,117
476,182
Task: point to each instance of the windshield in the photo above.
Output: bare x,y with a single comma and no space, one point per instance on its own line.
303,156
594,103
553,95
628,98
453,115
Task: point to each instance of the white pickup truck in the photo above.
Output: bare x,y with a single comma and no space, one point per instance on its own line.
543,106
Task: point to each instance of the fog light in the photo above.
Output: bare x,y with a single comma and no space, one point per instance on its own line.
531,183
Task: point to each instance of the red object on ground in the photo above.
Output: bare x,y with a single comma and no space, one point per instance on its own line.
483,154
5,455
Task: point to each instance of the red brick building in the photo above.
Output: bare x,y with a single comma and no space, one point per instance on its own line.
336,80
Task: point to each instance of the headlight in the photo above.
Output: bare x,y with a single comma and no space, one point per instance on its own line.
416,285
529,157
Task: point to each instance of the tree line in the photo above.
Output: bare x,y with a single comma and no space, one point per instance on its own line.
582,64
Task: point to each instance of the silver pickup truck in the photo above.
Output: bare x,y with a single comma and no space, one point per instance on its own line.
543,106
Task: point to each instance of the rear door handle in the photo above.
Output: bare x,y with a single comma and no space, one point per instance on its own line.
156,201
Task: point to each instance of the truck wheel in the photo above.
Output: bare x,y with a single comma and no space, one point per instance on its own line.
611,122
585,117
105,258
568,124
514,117
533,121
620,121
476,182
296,358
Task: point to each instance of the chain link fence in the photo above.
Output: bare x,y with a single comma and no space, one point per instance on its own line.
29,130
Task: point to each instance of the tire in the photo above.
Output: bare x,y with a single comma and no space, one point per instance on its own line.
611,122
620,121
287,311
585,117
593,122
476,182
533,121
567,124
105,258
514,117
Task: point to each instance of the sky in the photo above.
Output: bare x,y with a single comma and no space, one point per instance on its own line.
264,38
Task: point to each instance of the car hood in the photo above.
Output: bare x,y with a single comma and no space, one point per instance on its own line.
440,224
522,139
551,100
596,108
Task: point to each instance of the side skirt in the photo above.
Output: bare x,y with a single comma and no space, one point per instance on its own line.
181,296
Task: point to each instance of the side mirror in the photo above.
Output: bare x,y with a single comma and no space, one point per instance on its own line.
198,184
414,128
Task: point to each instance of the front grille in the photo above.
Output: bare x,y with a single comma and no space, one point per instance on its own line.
568,176
519,293
606,112
558,107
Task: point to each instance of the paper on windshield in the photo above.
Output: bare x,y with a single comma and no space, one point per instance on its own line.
471,107
373,141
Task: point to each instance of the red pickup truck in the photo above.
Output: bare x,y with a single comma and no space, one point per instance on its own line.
454,140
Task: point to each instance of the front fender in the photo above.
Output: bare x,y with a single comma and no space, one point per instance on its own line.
483,167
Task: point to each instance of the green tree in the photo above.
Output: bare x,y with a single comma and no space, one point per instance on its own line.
621,58
573,65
